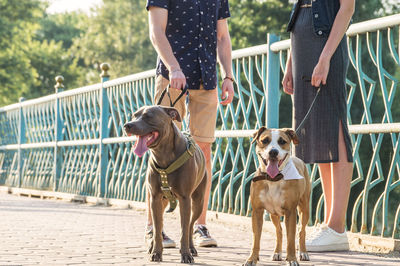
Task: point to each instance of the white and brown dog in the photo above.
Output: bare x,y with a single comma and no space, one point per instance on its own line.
281,185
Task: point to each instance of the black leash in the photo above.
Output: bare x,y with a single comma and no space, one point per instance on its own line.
309,109
166,90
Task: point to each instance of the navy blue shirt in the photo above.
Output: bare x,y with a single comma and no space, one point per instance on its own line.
192,33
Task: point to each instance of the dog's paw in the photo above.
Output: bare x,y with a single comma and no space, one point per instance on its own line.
187,258
155,256
292,263
277,257
193,251
304,256
250,263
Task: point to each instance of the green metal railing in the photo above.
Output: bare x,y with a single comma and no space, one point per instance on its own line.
72,141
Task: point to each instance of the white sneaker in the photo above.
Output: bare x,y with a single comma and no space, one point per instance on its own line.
327,239
316,230
202,237
167,242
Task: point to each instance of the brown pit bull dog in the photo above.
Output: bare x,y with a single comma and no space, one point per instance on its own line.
176,169
281,185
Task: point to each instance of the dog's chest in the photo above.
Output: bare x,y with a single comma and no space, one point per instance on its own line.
272,196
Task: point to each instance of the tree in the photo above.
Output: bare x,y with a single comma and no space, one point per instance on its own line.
29,60
16,75
252,20
117,34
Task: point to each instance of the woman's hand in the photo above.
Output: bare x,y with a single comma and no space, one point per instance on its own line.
287,81
320,72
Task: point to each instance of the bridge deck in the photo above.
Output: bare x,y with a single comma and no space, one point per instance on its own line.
50,232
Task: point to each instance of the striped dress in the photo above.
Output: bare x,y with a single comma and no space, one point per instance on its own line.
319,136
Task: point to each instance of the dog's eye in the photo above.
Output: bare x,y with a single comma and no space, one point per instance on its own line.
266,140
281,141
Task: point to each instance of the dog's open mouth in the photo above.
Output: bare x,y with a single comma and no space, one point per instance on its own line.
143,142
273,166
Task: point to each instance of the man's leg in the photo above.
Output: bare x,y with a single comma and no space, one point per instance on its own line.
202,108
206,148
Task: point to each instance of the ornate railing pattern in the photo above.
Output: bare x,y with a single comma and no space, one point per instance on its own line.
72,141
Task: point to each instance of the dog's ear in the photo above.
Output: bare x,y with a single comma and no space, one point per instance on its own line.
257,134
173,113
292,135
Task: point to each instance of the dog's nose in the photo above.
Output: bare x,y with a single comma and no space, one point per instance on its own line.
127,126
273,153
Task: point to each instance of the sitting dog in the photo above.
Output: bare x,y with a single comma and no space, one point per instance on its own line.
281,184
168,175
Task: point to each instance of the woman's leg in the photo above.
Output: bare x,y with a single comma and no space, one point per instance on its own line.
325,171
341,178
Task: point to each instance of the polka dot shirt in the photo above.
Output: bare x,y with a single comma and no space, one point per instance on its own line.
192,33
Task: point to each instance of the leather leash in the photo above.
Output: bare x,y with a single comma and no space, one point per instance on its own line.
166,90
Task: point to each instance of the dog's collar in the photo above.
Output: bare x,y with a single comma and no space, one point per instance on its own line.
259,175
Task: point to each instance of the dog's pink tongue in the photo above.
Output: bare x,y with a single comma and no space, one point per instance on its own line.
272,168
140,145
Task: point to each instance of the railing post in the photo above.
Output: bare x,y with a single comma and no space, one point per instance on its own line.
272,93
104,132
21,140
58,127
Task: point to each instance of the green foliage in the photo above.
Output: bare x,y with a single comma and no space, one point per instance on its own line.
16,75
62,28
117,34
252,19
29,58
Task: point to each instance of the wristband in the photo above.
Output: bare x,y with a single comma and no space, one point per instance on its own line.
231,79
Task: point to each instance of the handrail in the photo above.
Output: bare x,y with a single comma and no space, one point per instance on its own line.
354,29
373,25
353,129
250,51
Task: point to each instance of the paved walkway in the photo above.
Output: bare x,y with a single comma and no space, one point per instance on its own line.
50,232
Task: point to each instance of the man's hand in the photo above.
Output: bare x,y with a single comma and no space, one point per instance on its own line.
177,79
227,92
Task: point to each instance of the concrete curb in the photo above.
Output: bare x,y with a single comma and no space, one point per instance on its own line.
358,242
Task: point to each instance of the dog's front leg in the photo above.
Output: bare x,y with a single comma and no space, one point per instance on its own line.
156,211
257,223
277,256
185,210
290,223
304,211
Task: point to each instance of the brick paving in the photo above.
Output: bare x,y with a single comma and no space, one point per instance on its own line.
56,232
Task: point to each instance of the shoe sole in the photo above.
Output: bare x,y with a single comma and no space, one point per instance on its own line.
332,247
169,245
207,244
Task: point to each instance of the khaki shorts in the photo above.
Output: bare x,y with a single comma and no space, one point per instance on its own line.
202,113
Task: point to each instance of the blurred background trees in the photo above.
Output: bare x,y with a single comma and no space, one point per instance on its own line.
36,46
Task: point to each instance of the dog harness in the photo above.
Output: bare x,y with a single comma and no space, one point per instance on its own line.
166,189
